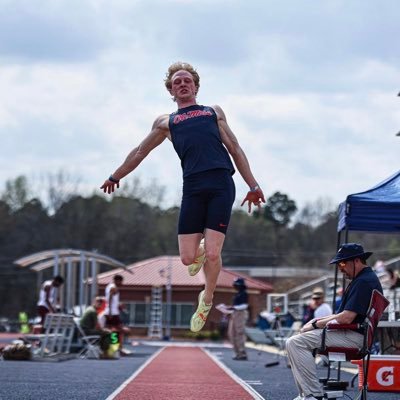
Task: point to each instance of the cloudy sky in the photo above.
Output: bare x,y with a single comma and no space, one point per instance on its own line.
309,88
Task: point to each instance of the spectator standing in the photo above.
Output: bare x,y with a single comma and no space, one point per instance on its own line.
238,320
48,297
112,310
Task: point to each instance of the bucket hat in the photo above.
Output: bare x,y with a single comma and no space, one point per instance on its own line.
350,251
318,293
239,282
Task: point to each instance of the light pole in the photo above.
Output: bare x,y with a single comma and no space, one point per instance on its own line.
169,298
168,287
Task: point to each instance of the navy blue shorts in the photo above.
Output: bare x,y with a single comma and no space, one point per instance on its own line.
207,201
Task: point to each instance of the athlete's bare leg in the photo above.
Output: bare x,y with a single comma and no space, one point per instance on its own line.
189,247
213,243
189,250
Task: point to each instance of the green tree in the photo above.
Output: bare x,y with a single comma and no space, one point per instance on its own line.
6,222
31,231
61,187
249,241
279,209
16,192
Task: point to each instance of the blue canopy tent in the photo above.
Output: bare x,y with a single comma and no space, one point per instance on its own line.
375,210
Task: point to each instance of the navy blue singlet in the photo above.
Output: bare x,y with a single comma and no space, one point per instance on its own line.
197,141
208,187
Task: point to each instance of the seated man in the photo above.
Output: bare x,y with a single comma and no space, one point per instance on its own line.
351,260
90,323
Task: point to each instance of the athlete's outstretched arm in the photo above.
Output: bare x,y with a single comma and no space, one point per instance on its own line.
255,195
157,135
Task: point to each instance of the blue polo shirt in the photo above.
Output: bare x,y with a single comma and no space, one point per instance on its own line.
241,298
357,295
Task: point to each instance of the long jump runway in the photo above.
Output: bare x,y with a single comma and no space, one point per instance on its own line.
183,373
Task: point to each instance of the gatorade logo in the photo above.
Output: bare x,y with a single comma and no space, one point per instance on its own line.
114,337
385,376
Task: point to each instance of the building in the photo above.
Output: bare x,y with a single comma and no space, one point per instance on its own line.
141,277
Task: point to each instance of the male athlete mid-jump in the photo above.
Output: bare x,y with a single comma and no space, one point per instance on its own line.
203,141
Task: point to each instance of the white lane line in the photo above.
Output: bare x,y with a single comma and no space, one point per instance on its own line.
264,347
185,344
236,378
134,375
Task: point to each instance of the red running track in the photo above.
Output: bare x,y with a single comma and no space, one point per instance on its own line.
183,373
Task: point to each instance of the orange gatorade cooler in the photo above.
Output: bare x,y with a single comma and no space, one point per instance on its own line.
383,374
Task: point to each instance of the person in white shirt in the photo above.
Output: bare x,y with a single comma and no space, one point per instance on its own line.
322,309
112,310
48,297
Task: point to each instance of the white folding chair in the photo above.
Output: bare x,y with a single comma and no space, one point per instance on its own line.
90,343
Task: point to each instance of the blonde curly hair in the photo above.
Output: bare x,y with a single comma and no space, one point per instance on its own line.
179,66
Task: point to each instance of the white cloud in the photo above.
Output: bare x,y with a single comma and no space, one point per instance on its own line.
310,92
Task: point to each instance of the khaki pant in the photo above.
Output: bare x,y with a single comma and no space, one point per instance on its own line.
300,353
236,332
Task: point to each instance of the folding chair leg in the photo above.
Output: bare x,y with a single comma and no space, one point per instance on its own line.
328,374
365,366
353,380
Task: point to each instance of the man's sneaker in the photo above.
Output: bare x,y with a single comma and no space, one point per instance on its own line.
240,358
299,398
199,261
125,353
200,316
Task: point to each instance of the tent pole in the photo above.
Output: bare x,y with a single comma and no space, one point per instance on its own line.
336,276
346,240
346,235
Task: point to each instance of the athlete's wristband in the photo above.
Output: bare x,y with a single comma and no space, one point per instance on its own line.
314,324
113,179
254,188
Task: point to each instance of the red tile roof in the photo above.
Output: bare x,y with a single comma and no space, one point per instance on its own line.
153,272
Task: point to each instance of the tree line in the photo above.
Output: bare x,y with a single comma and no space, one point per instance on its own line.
130,227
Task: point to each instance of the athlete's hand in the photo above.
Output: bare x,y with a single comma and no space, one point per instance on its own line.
109,187
254,197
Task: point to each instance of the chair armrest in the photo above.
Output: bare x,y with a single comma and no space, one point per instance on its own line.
91,337
329,327
351,327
